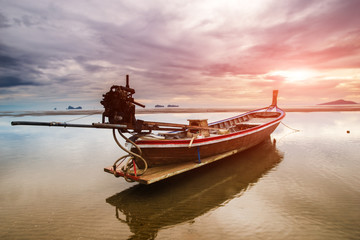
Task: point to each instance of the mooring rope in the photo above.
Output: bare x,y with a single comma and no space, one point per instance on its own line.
71,120
130,163
296,130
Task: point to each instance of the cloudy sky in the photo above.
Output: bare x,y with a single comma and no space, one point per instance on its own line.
188,52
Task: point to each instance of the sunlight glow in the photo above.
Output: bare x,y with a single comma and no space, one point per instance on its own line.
295,75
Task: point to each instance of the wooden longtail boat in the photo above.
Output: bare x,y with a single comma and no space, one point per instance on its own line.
153,157
236,133
168,154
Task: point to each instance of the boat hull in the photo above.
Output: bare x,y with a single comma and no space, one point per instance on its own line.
163,152
166,155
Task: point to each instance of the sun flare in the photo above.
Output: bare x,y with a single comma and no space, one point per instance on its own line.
295,75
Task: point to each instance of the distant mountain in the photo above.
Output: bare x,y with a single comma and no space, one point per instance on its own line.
338,102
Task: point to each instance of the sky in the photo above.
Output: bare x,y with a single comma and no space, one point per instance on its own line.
191,53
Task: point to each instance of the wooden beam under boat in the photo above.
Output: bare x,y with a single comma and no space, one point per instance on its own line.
159,173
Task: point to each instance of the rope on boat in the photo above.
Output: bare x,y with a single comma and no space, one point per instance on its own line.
296,130
71,120
129,158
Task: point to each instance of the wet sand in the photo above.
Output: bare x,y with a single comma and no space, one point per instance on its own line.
316,108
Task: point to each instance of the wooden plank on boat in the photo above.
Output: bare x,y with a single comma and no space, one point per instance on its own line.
159,173
176,125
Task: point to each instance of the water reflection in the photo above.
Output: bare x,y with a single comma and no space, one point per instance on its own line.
147,209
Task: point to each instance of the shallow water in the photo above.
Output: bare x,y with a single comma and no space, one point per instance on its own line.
306,186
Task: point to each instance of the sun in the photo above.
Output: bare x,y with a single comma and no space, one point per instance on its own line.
294,75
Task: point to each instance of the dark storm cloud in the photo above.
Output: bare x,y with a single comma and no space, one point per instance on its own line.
11,81
7,61
17,68
4,21
91,68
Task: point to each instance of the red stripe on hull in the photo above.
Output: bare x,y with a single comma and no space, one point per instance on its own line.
166,155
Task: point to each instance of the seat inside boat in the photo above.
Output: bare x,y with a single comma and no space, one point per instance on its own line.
232,125
247,121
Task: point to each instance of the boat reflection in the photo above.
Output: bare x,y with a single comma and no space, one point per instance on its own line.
148,208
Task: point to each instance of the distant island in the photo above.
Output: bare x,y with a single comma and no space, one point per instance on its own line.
169,106
338,102
71,108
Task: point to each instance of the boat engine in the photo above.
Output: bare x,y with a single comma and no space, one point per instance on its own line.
120,106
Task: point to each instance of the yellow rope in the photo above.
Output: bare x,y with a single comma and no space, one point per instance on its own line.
296,130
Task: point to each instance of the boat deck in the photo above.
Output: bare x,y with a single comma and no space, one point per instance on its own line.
230,126
259,121
155,174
